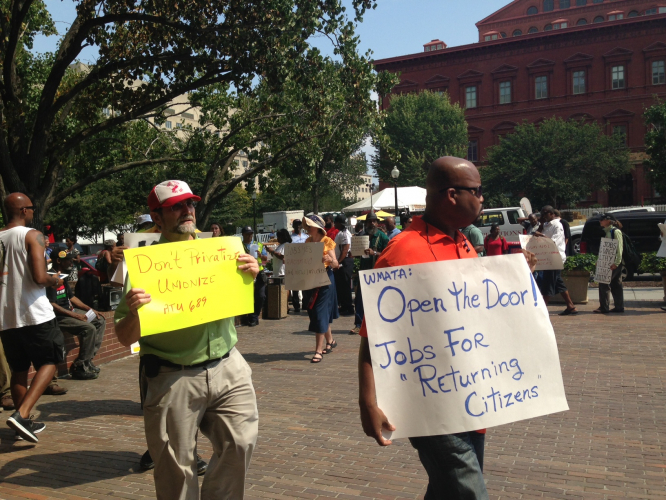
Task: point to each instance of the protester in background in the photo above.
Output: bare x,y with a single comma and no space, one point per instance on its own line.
143,223
551,281
331,230
258,251
191,378
28,328
359,229
90,333
120,240
494,244
531,225
475,237
216,229
567,232
612,229
297,236
322,302
343,275
378,242
391,230
76,259
104,261
283,238
405,220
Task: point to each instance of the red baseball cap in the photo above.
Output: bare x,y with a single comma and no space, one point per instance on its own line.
169,193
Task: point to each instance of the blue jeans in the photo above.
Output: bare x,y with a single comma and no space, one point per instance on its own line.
454,463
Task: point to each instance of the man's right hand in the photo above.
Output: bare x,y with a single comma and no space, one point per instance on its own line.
373,421
81,317
135,298
117,254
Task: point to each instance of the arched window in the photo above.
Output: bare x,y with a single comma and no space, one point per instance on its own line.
533,29
532,10
581,22
565,4
517,33
599,19
503,35
548,5
633,13
580,3
597,1
548,27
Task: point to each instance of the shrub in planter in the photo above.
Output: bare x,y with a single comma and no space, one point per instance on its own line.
585,262
652,264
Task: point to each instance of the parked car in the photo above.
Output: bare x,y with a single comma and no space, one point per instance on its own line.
506,219
88,265
641,227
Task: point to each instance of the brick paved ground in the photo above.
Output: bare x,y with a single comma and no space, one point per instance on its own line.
609,445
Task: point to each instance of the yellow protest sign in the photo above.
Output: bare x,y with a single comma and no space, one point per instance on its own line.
190,283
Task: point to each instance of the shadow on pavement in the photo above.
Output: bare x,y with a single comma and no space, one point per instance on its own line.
68,410
62,470
254,357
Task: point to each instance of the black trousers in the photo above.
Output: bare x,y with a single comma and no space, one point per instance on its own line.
259,299
343,285
295,301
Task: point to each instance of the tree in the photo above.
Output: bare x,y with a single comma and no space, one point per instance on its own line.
420,128
555,163
148,54
655,145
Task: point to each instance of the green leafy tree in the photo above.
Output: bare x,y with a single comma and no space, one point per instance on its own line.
148,54
655,145
420,128
557,162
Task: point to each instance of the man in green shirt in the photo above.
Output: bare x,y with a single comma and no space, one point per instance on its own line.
475,237
192,378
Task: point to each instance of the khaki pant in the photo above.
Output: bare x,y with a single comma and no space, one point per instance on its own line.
221,402
5,374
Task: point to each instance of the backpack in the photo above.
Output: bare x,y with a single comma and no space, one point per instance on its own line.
632,259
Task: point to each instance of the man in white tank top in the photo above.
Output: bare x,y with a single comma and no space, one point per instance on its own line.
28,329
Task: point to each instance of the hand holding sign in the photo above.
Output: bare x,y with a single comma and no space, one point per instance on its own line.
605,260
359,244
304,269
545,249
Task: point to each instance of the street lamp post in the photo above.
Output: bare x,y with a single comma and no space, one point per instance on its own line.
371,187
254,212
395,173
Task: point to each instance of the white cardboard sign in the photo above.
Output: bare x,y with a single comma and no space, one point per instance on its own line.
662,248
606,258
545,249
359,244
303,266
460,345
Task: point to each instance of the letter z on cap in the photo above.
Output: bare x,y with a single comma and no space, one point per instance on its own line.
169,193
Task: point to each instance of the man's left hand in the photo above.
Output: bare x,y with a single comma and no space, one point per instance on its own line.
99,315
613,267
531,259
250,264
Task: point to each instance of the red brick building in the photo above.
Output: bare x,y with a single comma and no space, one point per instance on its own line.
598,60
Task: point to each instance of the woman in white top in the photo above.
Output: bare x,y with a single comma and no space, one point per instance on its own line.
283,237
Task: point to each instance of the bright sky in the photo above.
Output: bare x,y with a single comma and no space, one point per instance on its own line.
394,28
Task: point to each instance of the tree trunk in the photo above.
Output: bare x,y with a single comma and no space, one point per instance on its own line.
315,198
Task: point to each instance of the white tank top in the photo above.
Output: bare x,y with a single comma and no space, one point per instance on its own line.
22,301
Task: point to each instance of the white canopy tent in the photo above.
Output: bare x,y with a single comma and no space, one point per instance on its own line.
411,198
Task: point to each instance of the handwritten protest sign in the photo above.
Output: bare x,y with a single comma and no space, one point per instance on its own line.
545,249
359,244
662,248
606,258
303,269
190,283
460,345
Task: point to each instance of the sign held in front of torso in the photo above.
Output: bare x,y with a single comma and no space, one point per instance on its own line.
460,345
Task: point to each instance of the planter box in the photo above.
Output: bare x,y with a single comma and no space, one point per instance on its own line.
577,283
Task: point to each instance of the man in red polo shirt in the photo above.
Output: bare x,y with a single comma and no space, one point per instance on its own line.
454,462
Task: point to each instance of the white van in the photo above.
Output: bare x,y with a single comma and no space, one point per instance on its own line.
505,218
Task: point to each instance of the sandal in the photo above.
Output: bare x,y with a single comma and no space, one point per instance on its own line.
568,311
316,359
333,344
329,349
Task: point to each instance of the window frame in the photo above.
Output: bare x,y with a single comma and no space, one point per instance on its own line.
573,81
584,23
502,86
581,3
564,4
533,12
598,19
662,74
548,6
476,96
624,77
625,133
473,146
540,80
517,32
533,29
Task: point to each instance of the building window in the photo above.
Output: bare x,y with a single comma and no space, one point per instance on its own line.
651,11
579,82
106,111
541,87
179,125
615,17
658,75
633,13
517,33
490,37
617,77
548,5
580,3
168,124
533,29
581,22
598,19
245,165
565,4
503,35
470,97
557,26
473,151
505,92
597,1
621,130
548,27
237,162
532,10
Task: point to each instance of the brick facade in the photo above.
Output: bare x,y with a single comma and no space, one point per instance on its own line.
504,82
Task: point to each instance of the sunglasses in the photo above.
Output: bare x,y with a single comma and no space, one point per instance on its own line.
476,191
178,207
33,208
